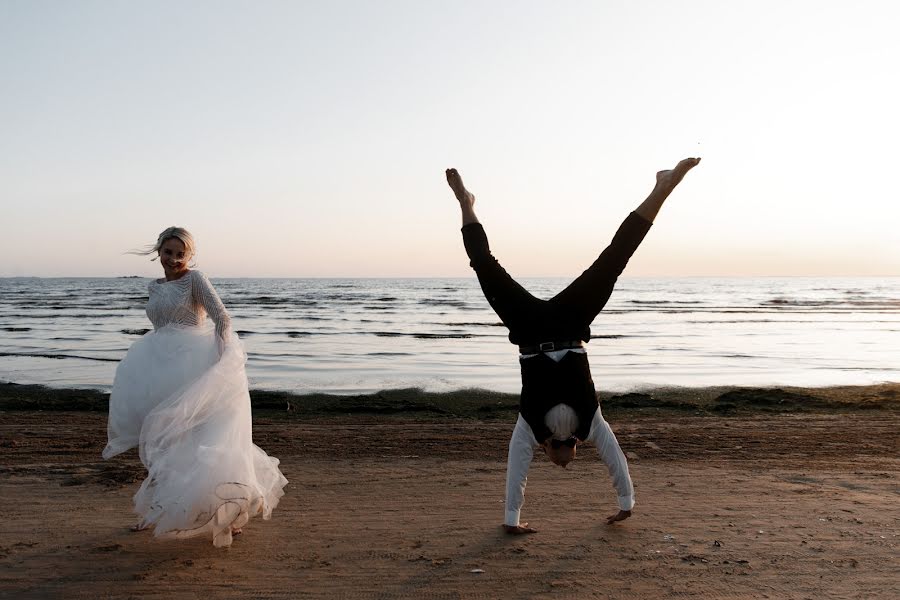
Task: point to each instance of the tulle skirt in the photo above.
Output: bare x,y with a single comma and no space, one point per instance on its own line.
188,411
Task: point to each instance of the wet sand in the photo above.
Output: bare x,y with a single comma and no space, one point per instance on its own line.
740,494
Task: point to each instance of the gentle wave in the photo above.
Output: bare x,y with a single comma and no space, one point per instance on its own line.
350,336
58,356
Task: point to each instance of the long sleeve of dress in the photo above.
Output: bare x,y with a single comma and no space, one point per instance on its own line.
204,294
614,459
521,451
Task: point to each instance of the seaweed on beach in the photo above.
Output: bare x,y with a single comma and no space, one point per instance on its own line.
488,405
37,398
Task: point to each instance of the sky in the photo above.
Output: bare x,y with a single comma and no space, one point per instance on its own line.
309,139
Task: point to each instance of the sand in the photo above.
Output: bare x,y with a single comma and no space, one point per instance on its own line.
753,500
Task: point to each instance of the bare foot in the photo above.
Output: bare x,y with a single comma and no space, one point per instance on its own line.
138,527
465,197
619,516
667,180
521,529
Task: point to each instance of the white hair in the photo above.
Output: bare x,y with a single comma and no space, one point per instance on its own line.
562,421
179,233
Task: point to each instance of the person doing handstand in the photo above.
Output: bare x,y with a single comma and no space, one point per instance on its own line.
558,406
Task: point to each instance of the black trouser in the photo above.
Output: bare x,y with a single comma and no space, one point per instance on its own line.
565,317
569,314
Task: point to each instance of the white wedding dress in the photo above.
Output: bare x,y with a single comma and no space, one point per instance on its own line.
181,395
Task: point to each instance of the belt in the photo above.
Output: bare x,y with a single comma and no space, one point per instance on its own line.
551,346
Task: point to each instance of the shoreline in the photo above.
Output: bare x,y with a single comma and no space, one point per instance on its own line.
486,405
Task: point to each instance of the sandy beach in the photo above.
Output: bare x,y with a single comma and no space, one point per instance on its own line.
740,494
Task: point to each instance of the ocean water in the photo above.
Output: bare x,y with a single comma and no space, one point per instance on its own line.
348,336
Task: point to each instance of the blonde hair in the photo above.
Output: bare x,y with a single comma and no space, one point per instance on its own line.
179,233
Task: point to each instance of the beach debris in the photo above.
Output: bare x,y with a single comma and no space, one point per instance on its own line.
668,537
477,571
717,544
693,559
28,545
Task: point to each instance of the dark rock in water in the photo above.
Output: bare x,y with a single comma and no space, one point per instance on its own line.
135,331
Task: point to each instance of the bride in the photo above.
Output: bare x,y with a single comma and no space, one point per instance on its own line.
181,396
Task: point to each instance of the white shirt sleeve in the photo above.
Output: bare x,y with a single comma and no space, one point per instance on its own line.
614,459
521,451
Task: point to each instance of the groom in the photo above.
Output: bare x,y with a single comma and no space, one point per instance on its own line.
558,406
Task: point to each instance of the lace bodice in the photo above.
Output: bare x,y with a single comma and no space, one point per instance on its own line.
186,302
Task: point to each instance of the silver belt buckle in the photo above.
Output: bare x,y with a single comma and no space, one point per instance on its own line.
546,347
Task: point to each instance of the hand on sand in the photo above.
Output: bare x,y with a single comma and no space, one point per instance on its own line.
138,527
465,197
619,516
667,180
519,529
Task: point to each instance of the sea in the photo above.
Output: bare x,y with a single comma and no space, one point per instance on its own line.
357,336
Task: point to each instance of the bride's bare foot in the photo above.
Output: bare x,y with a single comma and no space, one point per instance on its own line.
465,197
667,180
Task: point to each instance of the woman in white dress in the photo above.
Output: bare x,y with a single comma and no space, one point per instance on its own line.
181,396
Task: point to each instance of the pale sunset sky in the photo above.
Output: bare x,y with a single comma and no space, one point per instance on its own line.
309,139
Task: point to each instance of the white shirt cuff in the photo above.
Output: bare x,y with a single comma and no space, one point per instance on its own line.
625,502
